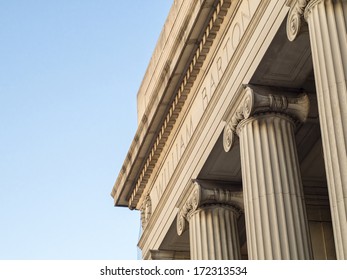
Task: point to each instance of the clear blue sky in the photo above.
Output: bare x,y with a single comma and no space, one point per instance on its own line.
69,74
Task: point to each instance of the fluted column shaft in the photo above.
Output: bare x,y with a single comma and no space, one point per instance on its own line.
211,212
327,21
213,234
275,213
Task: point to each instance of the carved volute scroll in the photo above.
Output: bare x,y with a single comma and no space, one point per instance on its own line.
202,196
295,20
259,100
146,211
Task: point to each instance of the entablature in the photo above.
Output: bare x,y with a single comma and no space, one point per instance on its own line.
201,22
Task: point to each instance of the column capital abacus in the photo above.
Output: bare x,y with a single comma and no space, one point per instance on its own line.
259,100
207,195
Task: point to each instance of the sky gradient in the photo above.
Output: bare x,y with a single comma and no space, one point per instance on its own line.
69,75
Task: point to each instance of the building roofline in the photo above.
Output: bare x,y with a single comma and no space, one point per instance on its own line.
186,37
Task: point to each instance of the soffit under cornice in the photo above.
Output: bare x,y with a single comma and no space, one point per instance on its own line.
177,72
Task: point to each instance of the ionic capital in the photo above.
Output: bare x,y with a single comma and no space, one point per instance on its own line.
259,100
295,20
208,195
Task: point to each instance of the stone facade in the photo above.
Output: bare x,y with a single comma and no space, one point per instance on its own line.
241,147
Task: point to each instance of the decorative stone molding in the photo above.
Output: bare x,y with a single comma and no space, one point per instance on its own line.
258,100
202,196
203,47
146,211
295,20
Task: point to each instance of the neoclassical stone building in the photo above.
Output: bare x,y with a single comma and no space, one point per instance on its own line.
240,151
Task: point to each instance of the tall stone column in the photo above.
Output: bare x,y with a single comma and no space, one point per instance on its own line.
212,215
274,206
327,22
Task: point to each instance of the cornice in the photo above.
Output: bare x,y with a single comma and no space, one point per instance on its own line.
202,48
180,97
162,75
